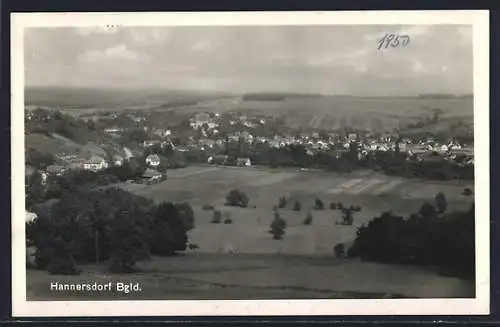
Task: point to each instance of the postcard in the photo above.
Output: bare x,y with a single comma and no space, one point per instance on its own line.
250,163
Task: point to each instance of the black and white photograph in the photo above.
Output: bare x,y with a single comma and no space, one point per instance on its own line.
269,163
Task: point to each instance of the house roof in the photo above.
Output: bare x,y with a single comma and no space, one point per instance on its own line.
153,157
55,169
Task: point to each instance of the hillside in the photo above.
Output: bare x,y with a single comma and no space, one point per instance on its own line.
48,133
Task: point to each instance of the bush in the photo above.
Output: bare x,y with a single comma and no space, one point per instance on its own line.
318,204
447,243
282,202
237,198
216,217
296,206
339,250
467,192
309,219
333,206
208,207
441,202
228,221
278,226
347,217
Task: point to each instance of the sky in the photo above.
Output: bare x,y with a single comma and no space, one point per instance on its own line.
331,59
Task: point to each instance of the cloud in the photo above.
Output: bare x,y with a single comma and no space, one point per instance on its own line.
118,52
85,31
327,59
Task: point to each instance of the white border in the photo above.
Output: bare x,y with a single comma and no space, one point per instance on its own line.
479,305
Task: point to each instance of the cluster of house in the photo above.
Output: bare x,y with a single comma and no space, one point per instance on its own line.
93,163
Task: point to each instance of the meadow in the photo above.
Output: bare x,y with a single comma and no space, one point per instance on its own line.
209,185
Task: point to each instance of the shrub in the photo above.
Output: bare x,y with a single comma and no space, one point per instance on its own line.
309,219
278,226
339,250
467,192
208,207
216,217
347,217
296,206
282,202
441,202
228,221
318,204
237,198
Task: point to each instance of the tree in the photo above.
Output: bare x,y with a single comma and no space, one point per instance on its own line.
282,202
126,243
428,210
441,202
179,220
467,192
216,217
237,198
35,190
278,226
186,214
296,206
339,250
318,204
227,217
309,219
347,217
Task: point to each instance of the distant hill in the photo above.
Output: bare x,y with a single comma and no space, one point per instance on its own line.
276,96
86,98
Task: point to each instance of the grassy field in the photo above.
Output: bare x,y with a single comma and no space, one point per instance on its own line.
248,233
235,277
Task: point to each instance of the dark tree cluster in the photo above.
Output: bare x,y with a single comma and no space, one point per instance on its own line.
442,240
107,225
237,198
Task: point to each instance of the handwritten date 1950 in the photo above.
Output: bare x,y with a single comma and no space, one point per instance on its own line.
393,41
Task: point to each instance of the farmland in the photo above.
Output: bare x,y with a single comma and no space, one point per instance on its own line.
319,111
375,192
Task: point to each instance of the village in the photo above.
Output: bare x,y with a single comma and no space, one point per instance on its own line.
213,135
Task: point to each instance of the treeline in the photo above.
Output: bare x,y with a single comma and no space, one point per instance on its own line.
433,166
75,181
110,226
429,237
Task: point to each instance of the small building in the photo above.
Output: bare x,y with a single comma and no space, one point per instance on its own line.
151,175
243,162
218,159
153,160
95,163
55,170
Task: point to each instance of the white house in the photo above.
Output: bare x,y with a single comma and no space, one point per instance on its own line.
95,163
153,160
